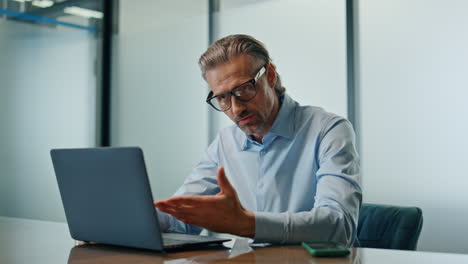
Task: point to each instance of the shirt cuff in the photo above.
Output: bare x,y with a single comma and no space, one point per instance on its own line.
164,221
270,227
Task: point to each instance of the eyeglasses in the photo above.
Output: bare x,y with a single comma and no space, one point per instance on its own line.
243,92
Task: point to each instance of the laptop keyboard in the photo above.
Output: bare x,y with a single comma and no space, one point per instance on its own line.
171,242
170,239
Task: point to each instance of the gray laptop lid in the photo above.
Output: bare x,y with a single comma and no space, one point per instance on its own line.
107,197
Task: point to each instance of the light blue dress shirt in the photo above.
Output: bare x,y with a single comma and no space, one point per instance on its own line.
302,183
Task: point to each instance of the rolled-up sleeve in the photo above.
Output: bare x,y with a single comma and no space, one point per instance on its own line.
338,196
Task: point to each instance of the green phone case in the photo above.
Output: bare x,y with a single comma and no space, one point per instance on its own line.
326,252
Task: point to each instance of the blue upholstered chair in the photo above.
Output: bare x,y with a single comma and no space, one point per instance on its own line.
390,227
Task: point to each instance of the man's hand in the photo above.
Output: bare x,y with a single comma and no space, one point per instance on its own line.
222,212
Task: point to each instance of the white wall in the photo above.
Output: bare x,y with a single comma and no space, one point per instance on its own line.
47,100
413,113
158,93
307,41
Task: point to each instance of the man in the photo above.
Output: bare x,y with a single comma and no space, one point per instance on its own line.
284,173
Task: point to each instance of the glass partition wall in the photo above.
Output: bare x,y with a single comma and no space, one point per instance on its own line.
49,78
158,95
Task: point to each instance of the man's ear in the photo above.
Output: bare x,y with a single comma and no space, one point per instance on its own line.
271,74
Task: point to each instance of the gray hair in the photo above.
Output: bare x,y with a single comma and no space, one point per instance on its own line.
228,47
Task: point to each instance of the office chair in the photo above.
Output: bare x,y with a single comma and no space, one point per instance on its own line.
389,227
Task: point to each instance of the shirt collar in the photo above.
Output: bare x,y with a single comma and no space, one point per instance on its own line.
284,122
283,125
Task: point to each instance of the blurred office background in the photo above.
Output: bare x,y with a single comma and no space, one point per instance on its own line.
82,73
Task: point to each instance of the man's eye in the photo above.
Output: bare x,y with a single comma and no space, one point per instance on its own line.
248,88
239,91
222,97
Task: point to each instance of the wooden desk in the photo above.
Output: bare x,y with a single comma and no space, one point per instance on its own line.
30,241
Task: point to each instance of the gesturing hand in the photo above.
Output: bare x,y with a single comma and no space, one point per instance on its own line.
222,212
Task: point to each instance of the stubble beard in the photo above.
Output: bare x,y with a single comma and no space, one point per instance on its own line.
254,128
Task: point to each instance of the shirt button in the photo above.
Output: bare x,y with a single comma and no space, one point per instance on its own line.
260,185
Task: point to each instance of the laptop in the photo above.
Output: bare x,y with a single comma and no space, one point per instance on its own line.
107,199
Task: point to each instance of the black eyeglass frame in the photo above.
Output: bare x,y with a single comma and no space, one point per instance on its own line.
232,92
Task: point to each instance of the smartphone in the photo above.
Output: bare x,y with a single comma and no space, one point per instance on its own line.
326,249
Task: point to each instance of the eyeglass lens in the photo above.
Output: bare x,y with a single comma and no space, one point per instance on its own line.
243,93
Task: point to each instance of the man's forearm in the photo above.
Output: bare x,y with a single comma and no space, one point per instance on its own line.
321,224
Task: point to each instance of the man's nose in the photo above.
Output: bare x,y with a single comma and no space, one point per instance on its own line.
237,106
